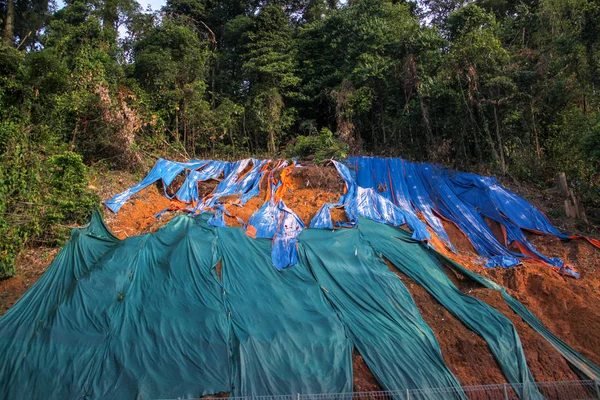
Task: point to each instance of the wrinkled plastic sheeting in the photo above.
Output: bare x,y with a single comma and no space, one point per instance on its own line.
274,220
466,218
366,202
464,199
149,317
286,336
188,192
494,201
422,266
103,320
378,312
233,183
164,170
584,366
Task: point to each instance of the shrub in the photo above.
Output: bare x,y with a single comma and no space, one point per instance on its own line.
37,199
322,146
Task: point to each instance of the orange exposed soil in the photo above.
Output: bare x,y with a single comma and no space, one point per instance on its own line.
138,214
466,353
32,263
569,307
363,378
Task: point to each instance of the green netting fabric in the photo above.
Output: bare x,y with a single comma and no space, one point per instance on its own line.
420,264
286,337
377,310
139,318
148,317
585,367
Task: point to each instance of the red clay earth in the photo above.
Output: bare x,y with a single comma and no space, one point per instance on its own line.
569,307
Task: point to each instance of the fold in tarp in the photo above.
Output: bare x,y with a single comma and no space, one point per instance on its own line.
117,319
164,170
423,267
360,202
584,366
148,317
286,337
236,178
274,220
151,317
387,190
377,310
463,199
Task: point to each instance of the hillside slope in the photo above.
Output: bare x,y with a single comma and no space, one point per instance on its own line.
569,307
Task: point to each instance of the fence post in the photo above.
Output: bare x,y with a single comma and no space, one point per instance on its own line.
297,396
407,395
505,391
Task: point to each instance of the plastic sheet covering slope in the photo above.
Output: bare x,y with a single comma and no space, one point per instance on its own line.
120,319
396,176
236,181
380,315
421,265
164,170
581,364
360,202
495,201
44,350
188,192
466,218
464,199
286,338
274,220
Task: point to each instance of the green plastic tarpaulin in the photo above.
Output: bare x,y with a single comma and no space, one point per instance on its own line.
151,317
148,317
378,311
420,264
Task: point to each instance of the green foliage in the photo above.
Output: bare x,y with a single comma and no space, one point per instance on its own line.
573,144
36,203
320,147
69,197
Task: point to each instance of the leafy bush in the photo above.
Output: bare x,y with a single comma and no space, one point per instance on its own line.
69,196
39,195
322,146
574,147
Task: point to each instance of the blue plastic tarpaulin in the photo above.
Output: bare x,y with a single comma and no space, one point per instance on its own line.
387,190
464,200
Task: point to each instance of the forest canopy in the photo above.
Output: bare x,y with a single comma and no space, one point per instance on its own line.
498,86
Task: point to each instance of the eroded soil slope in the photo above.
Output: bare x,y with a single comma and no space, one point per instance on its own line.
569,307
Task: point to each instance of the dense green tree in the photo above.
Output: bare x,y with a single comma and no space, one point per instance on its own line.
171,65
269,71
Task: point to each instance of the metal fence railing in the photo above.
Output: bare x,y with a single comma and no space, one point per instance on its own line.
566,390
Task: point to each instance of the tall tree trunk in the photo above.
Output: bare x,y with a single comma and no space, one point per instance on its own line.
176,133
486,129
426,122
7,37
272,142
499,138
184,123
538,151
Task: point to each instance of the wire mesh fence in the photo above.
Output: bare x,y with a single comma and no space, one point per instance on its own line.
566,390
